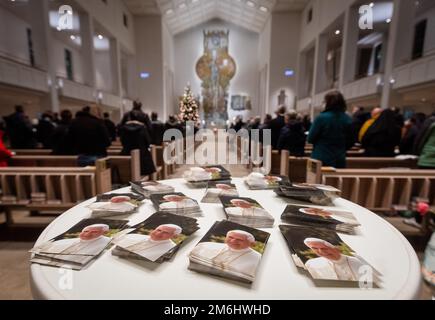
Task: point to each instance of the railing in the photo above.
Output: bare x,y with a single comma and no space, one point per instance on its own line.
415,72
20,75
364,87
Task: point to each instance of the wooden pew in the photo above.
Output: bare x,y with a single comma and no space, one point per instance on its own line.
53,189
159,163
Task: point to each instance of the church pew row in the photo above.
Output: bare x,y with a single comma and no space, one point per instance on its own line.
296,168
123,168
54,189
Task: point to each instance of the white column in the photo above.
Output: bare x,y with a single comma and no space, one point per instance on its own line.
41,26
320,64
88,52
115,58
349,48
399,43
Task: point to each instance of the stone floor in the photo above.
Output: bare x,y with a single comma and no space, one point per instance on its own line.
14,247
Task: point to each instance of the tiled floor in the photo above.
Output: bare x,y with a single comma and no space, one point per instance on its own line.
14,256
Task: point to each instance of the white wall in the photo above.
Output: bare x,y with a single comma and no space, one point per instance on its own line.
13,37
149,58
103,71
110,16
243,47
59,56
429,46
284,54
324,13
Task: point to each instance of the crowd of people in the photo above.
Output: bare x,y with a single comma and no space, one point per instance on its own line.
379,132
88,133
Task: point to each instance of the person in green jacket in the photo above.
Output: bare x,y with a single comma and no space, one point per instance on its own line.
427,147
331,133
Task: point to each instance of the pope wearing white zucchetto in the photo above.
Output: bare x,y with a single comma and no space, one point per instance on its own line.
236,254
244,208
331,263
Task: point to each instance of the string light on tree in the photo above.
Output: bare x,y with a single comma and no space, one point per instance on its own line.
188,106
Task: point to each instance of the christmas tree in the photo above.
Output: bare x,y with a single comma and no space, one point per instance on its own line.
188,106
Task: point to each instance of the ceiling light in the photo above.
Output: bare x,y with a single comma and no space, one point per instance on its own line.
388,20
250,4
100,37
72,37
371,4
337,32
264,9
169,11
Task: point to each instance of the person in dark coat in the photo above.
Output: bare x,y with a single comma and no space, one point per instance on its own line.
158,130
238,124
45,130
111,128
19,130
89,137
331,132
293,137
61,143
359,117
142,116
383,136
133,136
276,126
409,136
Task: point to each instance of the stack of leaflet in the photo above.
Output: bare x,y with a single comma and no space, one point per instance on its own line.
325,256
176,203
157,239
80,245
259,181
148,188
113,204
316,194
247,212
330,218
231,251
199,177
219,188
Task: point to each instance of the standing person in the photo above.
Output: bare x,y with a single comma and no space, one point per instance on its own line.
172,123
111,128
61,144
89,136
5,154
20,130
409,135
359,118
293,137
134,136
374,115
307,123
45,130
331,132
383,136
426,149
142,116
158,130
276,126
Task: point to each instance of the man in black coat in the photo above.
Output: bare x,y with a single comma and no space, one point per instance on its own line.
276,126
89,137
61,144
111,128
293,137
158,130
20,130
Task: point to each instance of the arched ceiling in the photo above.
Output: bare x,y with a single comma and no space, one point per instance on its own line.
181,15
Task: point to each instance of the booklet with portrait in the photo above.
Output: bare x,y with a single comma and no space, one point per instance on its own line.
116,204
176,203
147,188
325,256
259,181
246,211
331,218
231,251
215,189
80,245
316,194
157,239
198,177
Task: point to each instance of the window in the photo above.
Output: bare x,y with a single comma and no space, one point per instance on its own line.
69,65
420,35
125,18
30,47
365,55
378,58
310,16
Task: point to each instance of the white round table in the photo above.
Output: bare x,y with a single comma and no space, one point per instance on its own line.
277,279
